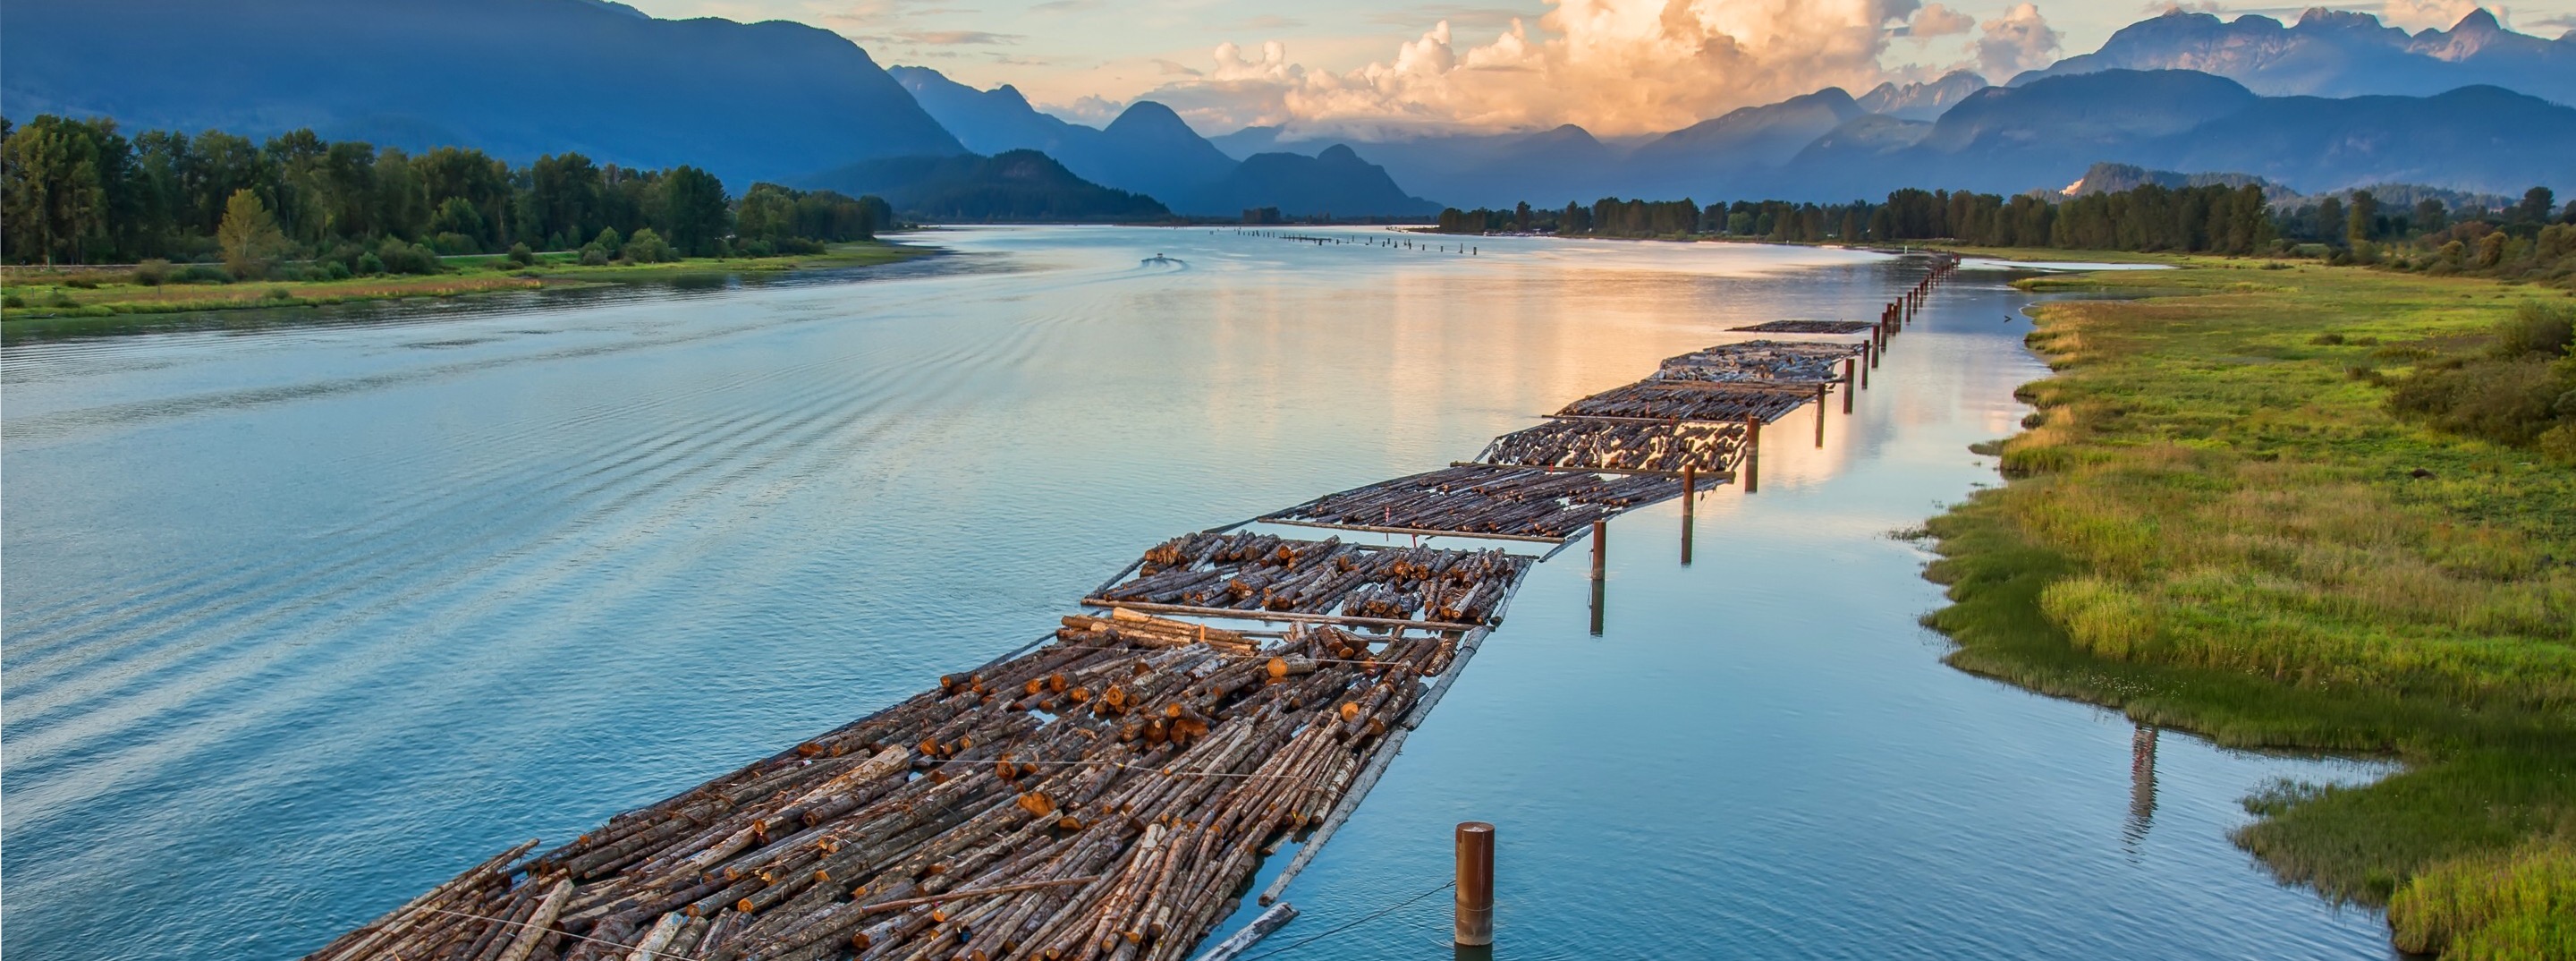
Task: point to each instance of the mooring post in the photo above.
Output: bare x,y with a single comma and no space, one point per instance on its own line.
1820,413
1869,358
1753,453
1851,368
1475,884
1690,494
1600,548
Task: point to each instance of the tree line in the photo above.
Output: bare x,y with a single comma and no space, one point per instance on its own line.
2532,237
79,191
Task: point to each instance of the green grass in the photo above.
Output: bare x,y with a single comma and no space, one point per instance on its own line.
2216,525
67,300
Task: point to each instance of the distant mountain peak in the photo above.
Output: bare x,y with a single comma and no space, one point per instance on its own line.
1147,116
1340,153
2336,53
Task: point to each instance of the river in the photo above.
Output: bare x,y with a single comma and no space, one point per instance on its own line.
302,618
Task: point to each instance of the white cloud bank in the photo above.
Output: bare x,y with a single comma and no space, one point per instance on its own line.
1614,66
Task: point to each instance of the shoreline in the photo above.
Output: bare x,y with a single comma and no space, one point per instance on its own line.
129,303
2162,542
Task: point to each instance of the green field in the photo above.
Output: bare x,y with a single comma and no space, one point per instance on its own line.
70,299
2217,524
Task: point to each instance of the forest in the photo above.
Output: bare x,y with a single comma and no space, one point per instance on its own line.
79,191
2531,239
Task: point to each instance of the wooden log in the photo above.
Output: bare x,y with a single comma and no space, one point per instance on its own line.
1261,927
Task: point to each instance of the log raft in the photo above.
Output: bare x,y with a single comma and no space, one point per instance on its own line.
1807,327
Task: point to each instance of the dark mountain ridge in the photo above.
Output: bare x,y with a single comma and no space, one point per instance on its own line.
516,78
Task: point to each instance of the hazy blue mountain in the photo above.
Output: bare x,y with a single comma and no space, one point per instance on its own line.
1921,101
1703,159
1335,182
989,121
1150,143
2337,54
1150,150
1248,141
2052,132
2111,178
1016,186
2484,139
517,78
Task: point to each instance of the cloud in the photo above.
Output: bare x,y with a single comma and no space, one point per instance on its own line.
2019,40
956,38
2441,14
1935,20
1170,69
1457,15
1614,66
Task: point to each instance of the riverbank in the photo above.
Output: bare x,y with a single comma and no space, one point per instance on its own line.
2216,524
66,296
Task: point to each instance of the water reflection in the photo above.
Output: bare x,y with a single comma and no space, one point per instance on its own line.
2142,784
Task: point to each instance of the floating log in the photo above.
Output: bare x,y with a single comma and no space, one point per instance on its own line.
1480,501
1803,362
1806,327
1689,400
1262,575
1620,445
1107,814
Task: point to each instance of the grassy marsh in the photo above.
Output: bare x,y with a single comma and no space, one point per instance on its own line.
2217,524
60,295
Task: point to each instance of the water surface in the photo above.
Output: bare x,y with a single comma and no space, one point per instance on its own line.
302,619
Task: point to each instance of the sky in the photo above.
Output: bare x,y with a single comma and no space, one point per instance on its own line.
1617,67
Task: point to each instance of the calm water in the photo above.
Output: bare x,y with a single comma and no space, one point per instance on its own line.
301,620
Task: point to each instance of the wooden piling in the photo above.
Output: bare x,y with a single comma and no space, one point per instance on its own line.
1753,455
1475,884
1820,415
1851,369
1600,549
1690,497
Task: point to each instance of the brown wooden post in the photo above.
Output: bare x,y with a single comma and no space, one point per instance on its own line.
1753,454
1851,369
1475,883
1600,549
1868,352
1690,495
1820,415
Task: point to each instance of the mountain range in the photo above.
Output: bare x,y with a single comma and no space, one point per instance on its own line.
517,78
2334,101
2330,53
1149,149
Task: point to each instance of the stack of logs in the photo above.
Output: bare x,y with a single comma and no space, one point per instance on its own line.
1807,327
1327,578
1692,400
1093,799
1620,446
1472,499
1772,360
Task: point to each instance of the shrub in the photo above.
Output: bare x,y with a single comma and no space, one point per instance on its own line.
370,264
402,258
609,239
12,300
2328,339
335,270
2536,328
594,257
522,256
204,274
60,299
648,247
152,273
279,293
2506,401
81,283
